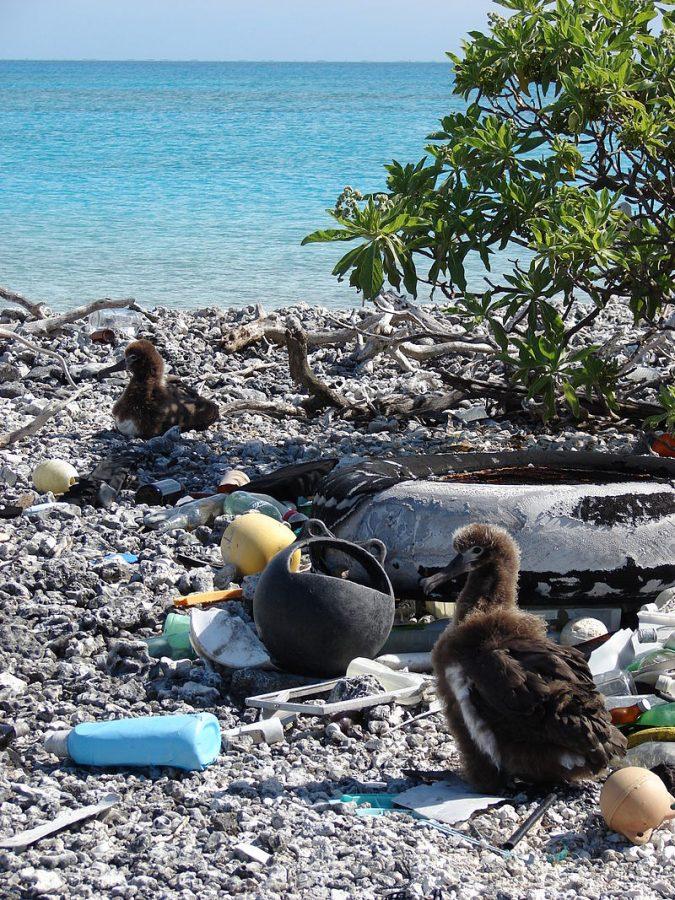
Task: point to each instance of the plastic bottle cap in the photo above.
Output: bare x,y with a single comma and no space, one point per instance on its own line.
56,742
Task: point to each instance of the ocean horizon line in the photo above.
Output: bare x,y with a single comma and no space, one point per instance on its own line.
290,62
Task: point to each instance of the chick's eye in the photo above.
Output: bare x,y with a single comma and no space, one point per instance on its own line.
476,551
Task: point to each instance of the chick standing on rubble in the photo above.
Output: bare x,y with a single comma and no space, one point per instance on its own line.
520,706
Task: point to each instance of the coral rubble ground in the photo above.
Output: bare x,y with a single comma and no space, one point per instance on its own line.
73,635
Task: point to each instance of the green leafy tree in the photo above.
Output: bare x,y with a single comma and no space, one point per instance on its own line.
565,150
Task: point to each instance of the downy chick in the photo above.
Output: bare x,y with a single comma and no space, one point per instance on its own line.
519,705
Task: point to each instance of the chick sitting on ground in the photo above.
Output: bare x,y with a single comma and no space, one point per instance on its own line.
520,706
151,404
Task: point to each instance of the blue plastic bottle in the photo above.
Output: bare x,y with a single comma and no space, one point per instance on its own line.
188,742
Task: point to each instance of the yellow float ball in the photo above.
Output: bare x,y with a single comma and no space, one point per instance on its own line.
251,541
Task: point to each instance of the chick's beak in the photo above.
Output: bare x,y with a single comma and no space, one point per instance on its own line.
118,366
457,567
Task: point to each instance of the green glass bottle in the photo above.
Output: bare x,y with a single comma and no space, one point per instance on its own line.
658,716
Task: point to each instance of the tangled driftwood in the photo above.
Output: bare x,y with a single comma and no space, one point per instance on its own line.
410,335
41,322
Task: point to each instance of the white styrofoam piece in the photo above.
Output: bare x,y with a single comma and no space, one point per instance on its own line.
448,801
223,637
616,653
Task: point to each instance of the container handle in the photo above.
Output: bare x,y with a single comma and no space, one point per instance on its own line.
376,548
315,528
358,552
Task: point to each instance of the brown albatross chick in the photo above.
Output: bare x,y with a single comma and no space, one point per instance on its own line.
520,706
151,404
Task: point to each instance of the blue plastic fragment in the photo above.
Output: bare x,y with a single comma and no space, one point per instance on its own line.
125,557
372,804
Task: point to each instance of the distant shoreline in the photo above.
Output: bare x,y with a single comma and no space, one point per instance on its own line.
257,62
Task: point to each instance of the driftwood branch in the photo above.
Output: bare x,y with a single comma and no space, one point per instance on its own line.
54,323
274,332
428,406
37,310
41,419
13,336
275,410
321,395
433,351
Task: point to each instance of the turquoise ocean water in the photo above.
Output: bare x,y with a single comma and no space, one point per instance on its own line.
192,184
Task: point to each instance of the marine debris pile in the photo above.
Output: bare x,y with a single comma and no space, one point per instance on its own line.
165,732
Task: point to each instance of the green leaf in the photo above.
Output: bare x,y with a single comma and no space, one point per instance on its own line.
348,260
500,334
328,235
370,272
571,397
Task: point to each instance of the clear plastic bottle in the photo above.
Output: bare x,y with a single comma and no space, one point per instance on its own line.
665,686
241,502
614,683
648,666
188,515
650,754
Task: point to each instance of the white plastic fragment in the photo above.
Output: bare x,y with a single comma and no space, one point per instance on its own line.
413,662
448,801
616,653
249,851
266,731
399,687
225,638
25,838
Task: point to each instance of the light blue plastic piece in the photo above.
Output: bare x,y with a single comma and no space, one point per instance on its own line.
188,742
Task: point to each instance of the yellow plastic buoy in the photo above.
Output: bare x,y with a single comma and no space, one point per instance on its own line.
251,541
55,475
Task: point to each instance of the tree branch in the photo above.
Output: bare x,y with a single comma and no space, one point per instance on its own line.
37,310
36,424
10,335
321,395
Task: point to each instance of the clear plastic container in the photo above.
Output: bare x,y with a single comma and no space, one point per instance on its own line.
615,682
241,502
650,754
123,321
647,667
187,516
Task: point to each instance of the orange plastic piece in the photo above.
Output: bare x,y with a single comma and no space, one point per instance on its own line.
664,445
208,597
634,801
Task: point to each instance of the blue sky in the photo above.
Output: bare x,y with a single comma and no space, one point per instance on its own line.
233,29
